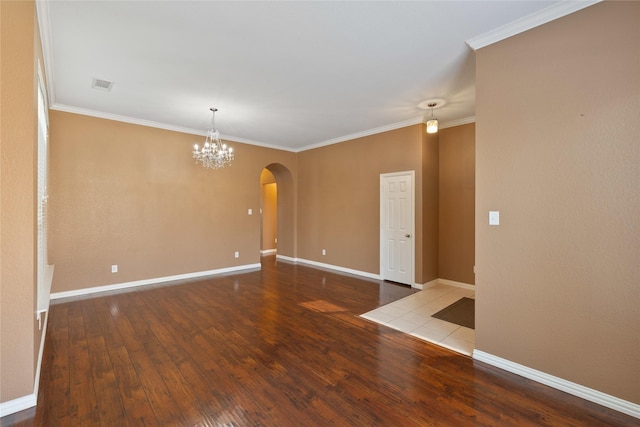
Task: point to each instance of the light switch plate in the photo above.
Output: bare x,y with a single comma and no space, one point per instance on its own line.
494,217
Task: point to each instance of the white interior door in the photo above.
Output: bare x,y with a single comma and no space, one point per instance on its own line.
397,225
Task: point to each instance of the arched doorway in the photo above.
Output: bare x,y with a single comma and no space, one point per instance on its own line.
277,207
269,208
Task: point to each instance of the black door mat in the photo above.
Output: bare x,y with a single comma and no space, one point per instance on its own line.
461,312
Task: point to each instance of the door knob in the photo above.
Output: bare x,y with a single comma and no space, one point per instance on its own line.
407,235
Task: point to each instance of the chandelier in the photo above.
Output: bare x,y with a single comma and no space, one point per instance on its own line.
432,124
214,154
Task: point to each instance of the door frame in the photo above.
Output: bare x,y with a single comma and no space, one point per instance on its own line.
412,261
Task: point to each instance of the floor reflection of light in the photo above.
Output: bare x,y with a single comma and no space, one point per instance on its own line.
115,310
223,419
236,286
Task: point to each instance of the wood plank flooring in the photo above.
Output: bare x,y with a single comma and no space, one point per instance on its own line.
282,346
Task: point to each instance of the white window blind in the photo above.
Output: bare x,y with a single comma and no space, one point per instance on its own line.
44,271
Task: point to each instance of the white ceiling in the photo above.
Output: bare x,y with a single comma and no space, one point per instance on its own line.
290,75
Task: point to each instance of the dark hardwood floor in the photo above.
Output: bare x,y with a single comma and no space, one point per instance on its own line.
283,346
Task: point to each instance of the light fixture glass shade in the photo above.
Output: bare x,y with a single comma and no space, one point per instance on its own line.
432,126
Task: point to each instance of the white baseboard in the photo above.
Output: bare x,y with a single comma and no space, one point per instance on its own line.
581,391
36,385
285,258
328,267
371,275
457,284
146,282
16,405
268,252
29,401
427,285
447,282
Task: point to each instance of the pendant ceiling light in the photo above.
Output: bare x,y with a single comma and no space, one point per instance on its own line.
432,124
214,154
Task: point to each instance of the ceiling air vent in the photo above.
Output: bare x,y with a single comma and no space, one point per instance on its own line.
102,84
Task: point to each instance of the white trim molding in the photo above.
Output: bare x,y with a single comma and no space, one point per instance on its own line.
158,125
548,14
125,119
457,122
30,400
581,391
322,265
447,282
36,385
286,259
154,281
457,284
374,131
16,405
264,252
427,285
374,276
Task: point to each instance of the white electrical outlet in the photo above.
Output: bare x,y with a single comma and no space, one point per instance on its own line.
324,252
250,211
494,217
237,254
114,268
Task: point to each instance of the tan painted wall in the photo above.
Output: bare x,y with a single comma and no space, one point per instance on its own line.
269,210
339,197
430,212
19,334
558,154
457,157
131,195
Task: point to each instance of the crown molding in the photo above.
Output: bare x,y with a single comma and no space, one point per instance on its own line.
458,122
257,143
229,138
125,119
526,23
158,125
392,126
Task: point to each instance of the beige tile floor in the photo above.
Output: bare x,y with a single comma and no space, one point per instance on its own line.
412,315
